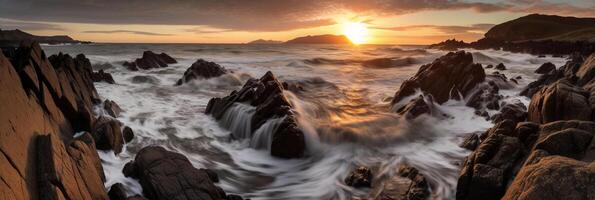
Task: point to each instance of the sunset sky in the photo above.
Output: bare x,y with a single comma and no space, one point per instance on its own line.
239,21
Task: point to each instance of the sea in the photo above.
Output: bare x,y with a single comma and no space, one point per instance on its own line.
343,108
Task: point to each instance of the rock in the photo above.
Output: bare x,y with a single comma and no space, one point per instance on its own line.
516,112
150,60
145,79
571,179
500,67
419,187
485,97
168,175
545,68
117,192
68,171
266,95
50,99
565,138
470,142
489,66
128,134
416,107
360,177
567,71
136,197
444,78
559,101
202,69
111,108
108,134
586,72
102,76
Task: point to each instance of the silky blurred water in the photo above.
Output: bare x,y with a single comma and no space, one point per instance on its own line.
343,109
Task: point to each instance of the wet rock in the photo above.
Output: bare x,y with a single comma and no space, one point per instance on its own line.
546,68
444,78
516,112
117,192
111,108
489,66
360,177
293,87
485,97
566,138
128,134
567,71
203,69
586,72
168,175
470,142
108,134
571,179
419,187
266,94
416,107
500,67
102,76
150,60
559,101
136,197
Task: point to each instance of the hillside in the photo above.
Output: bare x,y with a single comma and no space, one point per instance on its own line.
14,37
262,41
320,39
543,27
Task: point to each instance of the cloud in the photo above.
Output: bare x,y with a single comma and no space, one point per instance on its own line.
130,32
448,30
28,26
253,15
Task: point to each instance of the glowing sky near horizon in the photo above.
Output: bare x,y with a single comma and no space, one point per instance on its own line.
236,21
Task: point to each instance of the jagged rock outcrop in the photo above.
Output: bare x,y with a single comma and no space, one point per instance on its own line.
202,68
168,175
102,76
567,71
43,102
150,60
559,101
108,134
445,78
545,68
266,94
500,66
111,108
416,107
360,177
408,184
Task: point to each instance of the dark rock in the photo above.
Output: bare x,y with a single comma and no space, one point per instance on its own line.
108,134
516,112
266,94
419,187
470,142
489,66
168,175
559,101
117,192
416,107
444,78
234,197
567,71
360,177
500,67
128,134
150,60
136,197
145,79
202,69
571,179
111,108
546,68
102,76
566,138
586,72
485,97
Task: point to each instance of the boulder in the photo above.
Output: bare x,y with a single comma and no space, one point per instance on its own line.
419,187
554,177
500,67
202,69
559,101
102,76
108,134
445,78
169,175
117,192
266,95
516,112
566,138
111,108
150,60
128,134
470,142
416,107
567,71
586,72
485,97
545,68
360,177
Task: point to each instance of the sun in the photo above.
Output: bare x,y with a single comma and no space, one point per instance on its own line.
357,32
